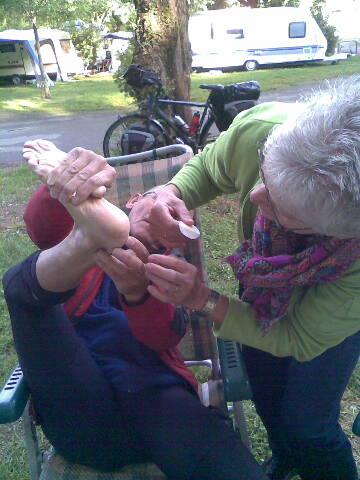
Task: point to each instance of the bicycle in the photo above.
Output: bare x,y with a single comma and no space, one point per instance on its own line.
157,124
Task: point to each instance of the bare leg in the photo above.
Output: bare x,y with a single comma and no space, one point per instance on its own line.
105,225
62,267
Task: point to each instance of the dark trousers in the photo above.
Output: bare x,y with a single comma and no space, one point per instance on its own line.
299,404
90,422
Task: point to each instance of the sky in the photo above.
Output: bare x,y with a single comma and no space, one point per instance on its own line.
344,15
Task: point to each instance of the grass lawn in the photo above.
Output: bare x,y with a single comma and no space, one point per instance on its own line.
219,225
101,93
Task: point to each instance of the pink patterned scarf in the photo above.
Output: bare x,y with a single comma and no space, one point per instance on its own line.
275,261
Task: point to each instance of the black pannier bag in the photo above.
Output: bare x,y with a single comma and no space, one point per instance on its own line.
138,77
231,100
139,138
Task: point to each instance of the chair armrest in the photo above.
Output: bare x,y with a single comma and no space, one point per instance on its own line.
13,397
236,381
356,425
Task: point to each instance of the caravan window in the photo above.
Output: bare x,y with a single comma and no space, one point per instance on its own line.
239,32
65,45
7,48
297,29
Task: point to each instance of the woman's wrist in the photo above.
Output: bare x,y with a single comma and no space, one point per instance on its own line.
212,305
220,311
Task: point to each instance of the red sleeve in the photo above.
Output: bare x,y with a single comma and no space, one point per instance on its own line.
46,219
152,324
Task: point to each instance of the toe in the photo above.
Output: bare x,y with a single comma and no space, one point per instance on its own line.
46,145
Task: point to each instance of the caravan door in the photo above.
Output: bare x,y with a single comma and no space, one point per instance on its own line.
216,40
201,35
12,65
49,59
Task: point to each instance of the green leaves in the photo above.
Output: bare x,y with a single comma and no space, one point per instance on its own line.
55,13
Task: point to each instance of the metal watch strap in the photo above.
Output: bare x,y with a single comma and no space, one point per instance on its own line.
208,309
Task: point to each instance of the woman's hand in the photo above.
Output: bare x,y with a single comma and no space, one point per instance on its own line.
126,269
81,174
176,281
163,218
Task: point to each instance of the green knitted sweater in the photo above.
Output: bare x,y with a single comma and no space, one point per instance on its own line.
318,317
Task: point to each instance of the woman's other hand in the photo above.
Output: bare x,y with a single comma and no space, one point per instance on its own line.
126,269
176,281
80,174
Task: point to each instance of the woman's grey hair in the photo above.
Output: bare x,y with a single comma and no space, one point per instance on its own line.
312,162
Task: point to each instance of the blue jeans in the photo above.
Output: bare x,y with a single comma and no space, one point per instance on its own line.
299,404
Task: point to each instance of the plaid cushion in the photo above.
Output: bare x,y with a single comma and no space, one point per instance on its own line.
56,468
199,342
140,177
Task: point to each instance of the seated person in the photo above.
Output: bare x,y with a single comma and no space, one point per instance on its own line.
98,352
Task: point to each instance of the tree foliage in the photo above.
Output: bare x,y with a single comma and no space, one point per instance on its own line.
87,41
328,30
87,36
48,13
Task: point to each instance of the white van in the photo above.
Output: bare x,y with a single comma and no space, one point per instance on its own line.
350,46
251,37
19,61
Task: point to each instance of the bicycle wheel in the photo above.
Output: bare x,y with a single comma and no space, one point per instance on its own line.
112,143
209,133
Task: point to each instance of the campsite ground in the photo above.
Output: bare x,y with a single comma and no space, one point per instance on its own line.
85,129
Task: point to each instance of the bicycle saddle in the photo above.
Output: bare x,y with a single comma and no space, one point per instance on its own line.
215,87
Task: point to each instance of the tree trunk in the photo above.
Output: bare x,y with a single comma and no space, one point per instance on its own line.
45,89
162,44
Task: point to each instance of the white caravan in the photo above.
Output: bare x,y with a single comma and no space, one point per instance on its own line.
250,37
19,60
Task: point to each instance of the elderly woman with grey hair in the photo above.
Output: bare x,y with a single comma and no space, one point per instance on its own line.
296,169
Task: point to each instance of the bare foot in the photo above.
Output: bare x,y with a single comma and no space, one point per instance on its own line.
102,223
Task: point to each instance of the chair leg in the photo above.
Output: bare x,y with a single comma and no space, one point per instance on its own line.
32,444
241,424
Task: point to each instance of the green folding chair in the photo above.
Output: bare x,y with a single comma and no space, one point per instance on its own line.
138,173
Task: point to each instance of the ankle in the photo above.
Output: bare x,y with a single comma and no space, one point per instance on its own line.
84,245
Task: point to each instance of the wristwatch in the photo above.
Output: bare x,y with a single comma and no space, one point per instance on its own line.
208,309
